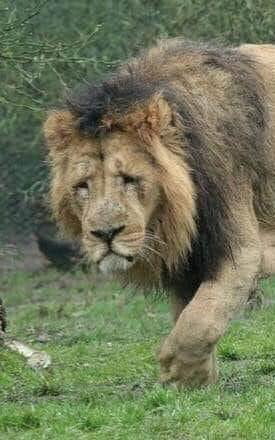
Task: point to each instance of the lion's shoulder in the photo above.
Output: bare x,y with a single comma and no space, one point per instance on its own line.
263,56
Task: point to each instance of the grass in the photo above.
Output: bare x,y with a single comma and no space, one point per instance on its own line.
103,380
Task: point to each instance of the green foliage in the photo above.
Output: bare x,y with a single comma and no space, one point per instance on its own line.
48,46
103,379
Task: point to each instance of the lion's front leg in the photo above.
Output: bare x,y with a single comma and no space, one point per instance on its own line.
187,356
182,369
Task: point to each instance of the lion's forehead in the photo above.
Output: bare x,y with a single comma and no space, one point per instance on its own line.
93,165
84,167
113,154
80,168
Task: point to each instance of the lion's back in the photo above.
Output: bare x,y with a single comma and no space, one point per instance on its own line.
264,55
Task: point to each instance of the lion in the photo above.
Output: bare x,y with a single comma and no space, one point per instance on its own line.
165,172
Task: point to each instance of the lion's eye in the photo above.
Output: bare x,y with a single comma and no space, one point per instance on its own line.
130,180
82,190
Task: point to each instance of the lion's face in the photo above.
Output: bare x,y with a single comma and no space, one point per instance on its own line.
113,193
127,194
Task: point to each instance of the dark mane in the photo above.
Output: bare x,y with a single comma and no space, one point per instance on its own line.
222,126
117,94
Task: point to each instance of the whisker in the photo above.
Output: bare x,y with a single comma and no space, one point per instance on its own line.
156,239
149,248
149,236
145,257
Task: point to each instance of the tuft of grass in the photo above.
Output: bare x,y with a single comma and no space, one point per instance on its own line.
103,382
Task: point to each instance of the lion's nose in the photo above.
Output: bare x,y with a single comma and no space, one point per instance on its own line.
107,234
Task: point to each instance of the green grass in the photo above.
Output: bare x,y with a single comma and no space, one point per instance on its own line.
103,380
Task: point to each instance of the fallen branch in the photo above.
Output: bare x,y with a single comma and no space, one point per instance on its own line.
35,358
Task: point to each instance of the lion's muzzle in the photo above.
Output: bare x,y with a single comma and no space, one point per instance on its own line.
107,235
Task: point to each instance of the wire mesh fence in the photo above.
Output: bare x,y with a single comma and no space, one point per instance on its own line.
23,211
21,202
46,47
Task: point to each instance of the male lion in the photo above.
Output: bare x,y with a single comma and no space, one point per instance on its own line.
166,173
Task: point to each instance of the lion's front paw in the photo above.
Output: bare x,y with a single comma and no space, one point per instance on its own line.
184,370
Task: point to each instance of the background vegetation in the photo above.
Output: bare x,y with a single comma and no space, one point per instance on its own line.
47,46
103,380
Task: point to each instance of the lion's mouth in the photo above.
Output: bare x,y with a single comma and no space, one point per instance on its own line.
129,258
113,261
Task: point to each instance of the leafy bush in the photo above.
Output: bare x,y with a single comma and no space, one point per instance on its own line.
48,46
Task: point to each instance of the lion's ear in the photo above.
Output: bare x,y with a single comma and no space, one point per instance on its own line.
58,129
159,115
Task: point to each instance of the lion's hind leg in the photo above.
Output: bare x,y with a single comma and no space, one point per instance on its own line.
256,296
267,237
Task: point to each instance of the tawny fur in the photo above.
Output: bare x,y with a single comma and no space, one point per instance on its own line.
191,129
